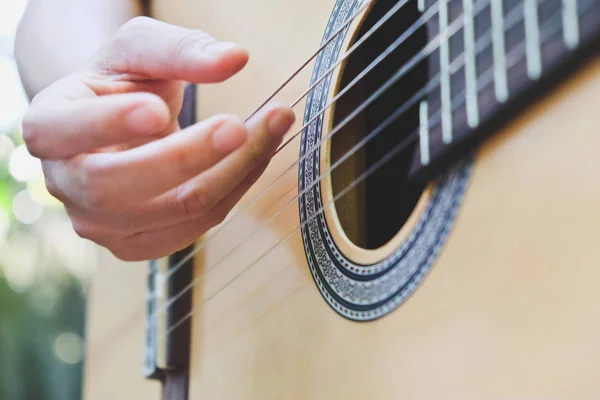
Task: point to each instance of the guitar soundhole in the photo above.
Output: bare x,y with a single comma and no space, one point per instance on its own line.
373,212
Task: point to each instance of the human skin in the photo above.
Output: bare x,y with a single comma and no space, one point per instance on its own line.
112,151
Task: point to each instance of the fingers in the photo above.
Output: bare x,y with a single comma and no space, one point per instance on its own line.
173,220
201,194
148,49
113,152
121,181
174,179
115,104
167,240
159,195
64,128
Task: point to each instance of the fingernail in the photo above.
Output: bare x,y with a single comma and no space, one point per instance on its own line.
281,122
218,48
228,137
144,120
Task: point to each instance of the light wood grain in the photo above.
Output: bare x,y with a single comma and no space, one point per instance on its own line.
115,333
509,311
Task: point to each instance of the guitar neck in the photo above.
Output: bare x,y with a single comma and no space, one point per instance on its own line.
504,55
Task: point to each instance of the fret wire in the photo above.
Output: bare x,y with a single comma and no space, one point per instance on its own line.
499,49
570,23
532,38
470,65
445,75
424,131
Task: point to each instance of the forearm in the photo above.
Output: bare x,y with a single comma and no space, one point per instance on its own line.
57,37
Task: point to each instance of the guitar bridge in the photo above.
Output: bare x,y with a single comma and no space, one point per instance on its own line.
154,355
168,327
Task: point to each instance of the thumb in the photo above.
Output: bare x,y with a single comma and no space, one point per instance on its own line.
145,48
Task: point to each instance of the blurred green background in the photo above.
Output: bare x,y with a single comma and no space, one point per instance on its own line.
45,268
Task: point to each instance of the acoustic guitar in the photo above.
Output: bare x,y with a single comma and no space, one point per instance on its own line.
427,230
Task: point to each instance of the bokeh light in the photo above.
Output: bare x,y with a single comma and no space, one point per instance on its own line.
44,267
44,299
12,10
19,258
79,256
6,195
6,147
26,209
13,102
4,225
68,347
37,188
23,166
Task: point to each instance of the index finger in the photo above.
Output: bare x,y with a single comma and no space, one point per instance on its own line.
150,49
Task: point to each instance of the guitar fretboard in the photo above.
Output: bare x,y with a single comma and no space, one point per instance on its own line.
505,54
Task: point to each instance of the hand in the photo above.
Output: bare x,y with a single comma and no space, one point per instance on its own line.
112,150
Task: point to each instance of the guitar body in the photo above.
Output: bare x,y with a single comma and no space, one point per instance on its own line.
507,308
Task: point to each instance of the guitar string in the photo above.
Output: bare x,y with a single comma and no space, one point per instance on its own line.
451,29
312,57
457,63
550,28
513,17
427,15
290,168
354,47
